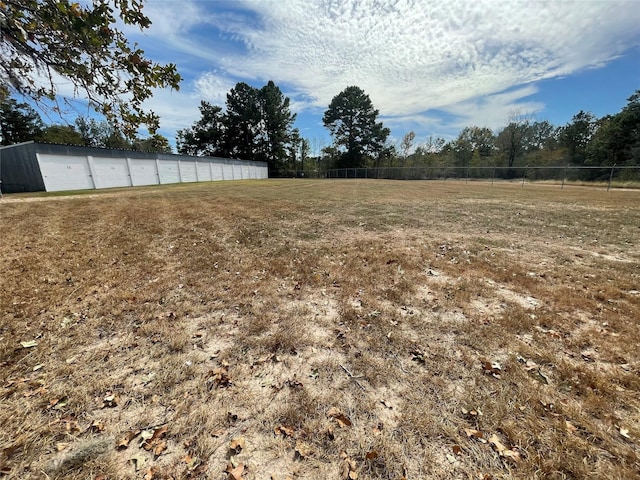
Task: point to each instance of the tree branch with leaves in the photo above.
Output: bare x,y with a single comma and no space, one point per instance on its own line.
43,40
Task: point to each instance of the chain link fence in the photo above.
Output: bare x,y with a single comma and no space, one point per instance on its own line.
607,175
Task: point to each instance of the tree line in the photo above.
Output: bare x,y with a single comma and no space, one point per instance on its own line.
257,124
524,141
584,141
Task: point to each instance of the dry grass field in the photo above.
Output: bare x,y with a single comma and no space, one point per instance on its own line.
344,329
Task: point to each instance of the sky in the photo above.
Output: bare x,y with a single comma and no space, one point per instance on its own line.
432,67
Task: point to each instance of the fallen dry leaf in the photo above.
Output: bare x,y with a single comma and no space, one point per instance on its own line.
237,444
96,426
491,368
471,413
29,344
624,432
192,461
151,473
347,467
138,461
126,438
159,447
343,421
372,455
495,442
418,355
145,435
477,434
152,440
60,446
110,400
160,432
282,430
512,454
452,459
570,427
502,450
303,449
542,376
457,449
58,403
70,424
221,377
333,411
235,473
341,418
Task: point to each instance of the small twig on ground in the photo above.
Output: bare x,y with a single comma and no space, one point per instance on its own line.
354,377
74,291
400,362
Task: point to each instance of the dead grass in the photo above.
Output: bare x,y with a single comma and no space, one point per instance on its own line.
376,329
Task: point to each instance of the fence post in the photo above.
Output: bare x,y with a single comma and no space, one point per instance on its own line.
611,176
564,175
524,175
493,174
467,180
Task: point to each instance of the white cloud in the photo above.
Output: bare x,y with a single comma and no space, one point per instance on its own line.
213,87
177,110
411,56
493,111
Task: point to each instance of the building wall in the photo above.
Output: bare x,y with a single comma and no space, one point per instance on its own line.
19,169
37,167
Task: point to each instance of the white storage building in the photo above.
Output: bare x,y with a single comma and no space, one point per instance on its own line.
34,167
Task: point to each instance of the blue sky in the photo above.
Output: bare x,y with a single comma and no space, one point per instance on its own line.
429,66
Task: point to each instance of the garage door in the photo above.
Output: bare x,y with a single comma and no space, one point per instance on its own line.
188,171
111,172
216,171
168,171
227,171
143,171
204,172
62,172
